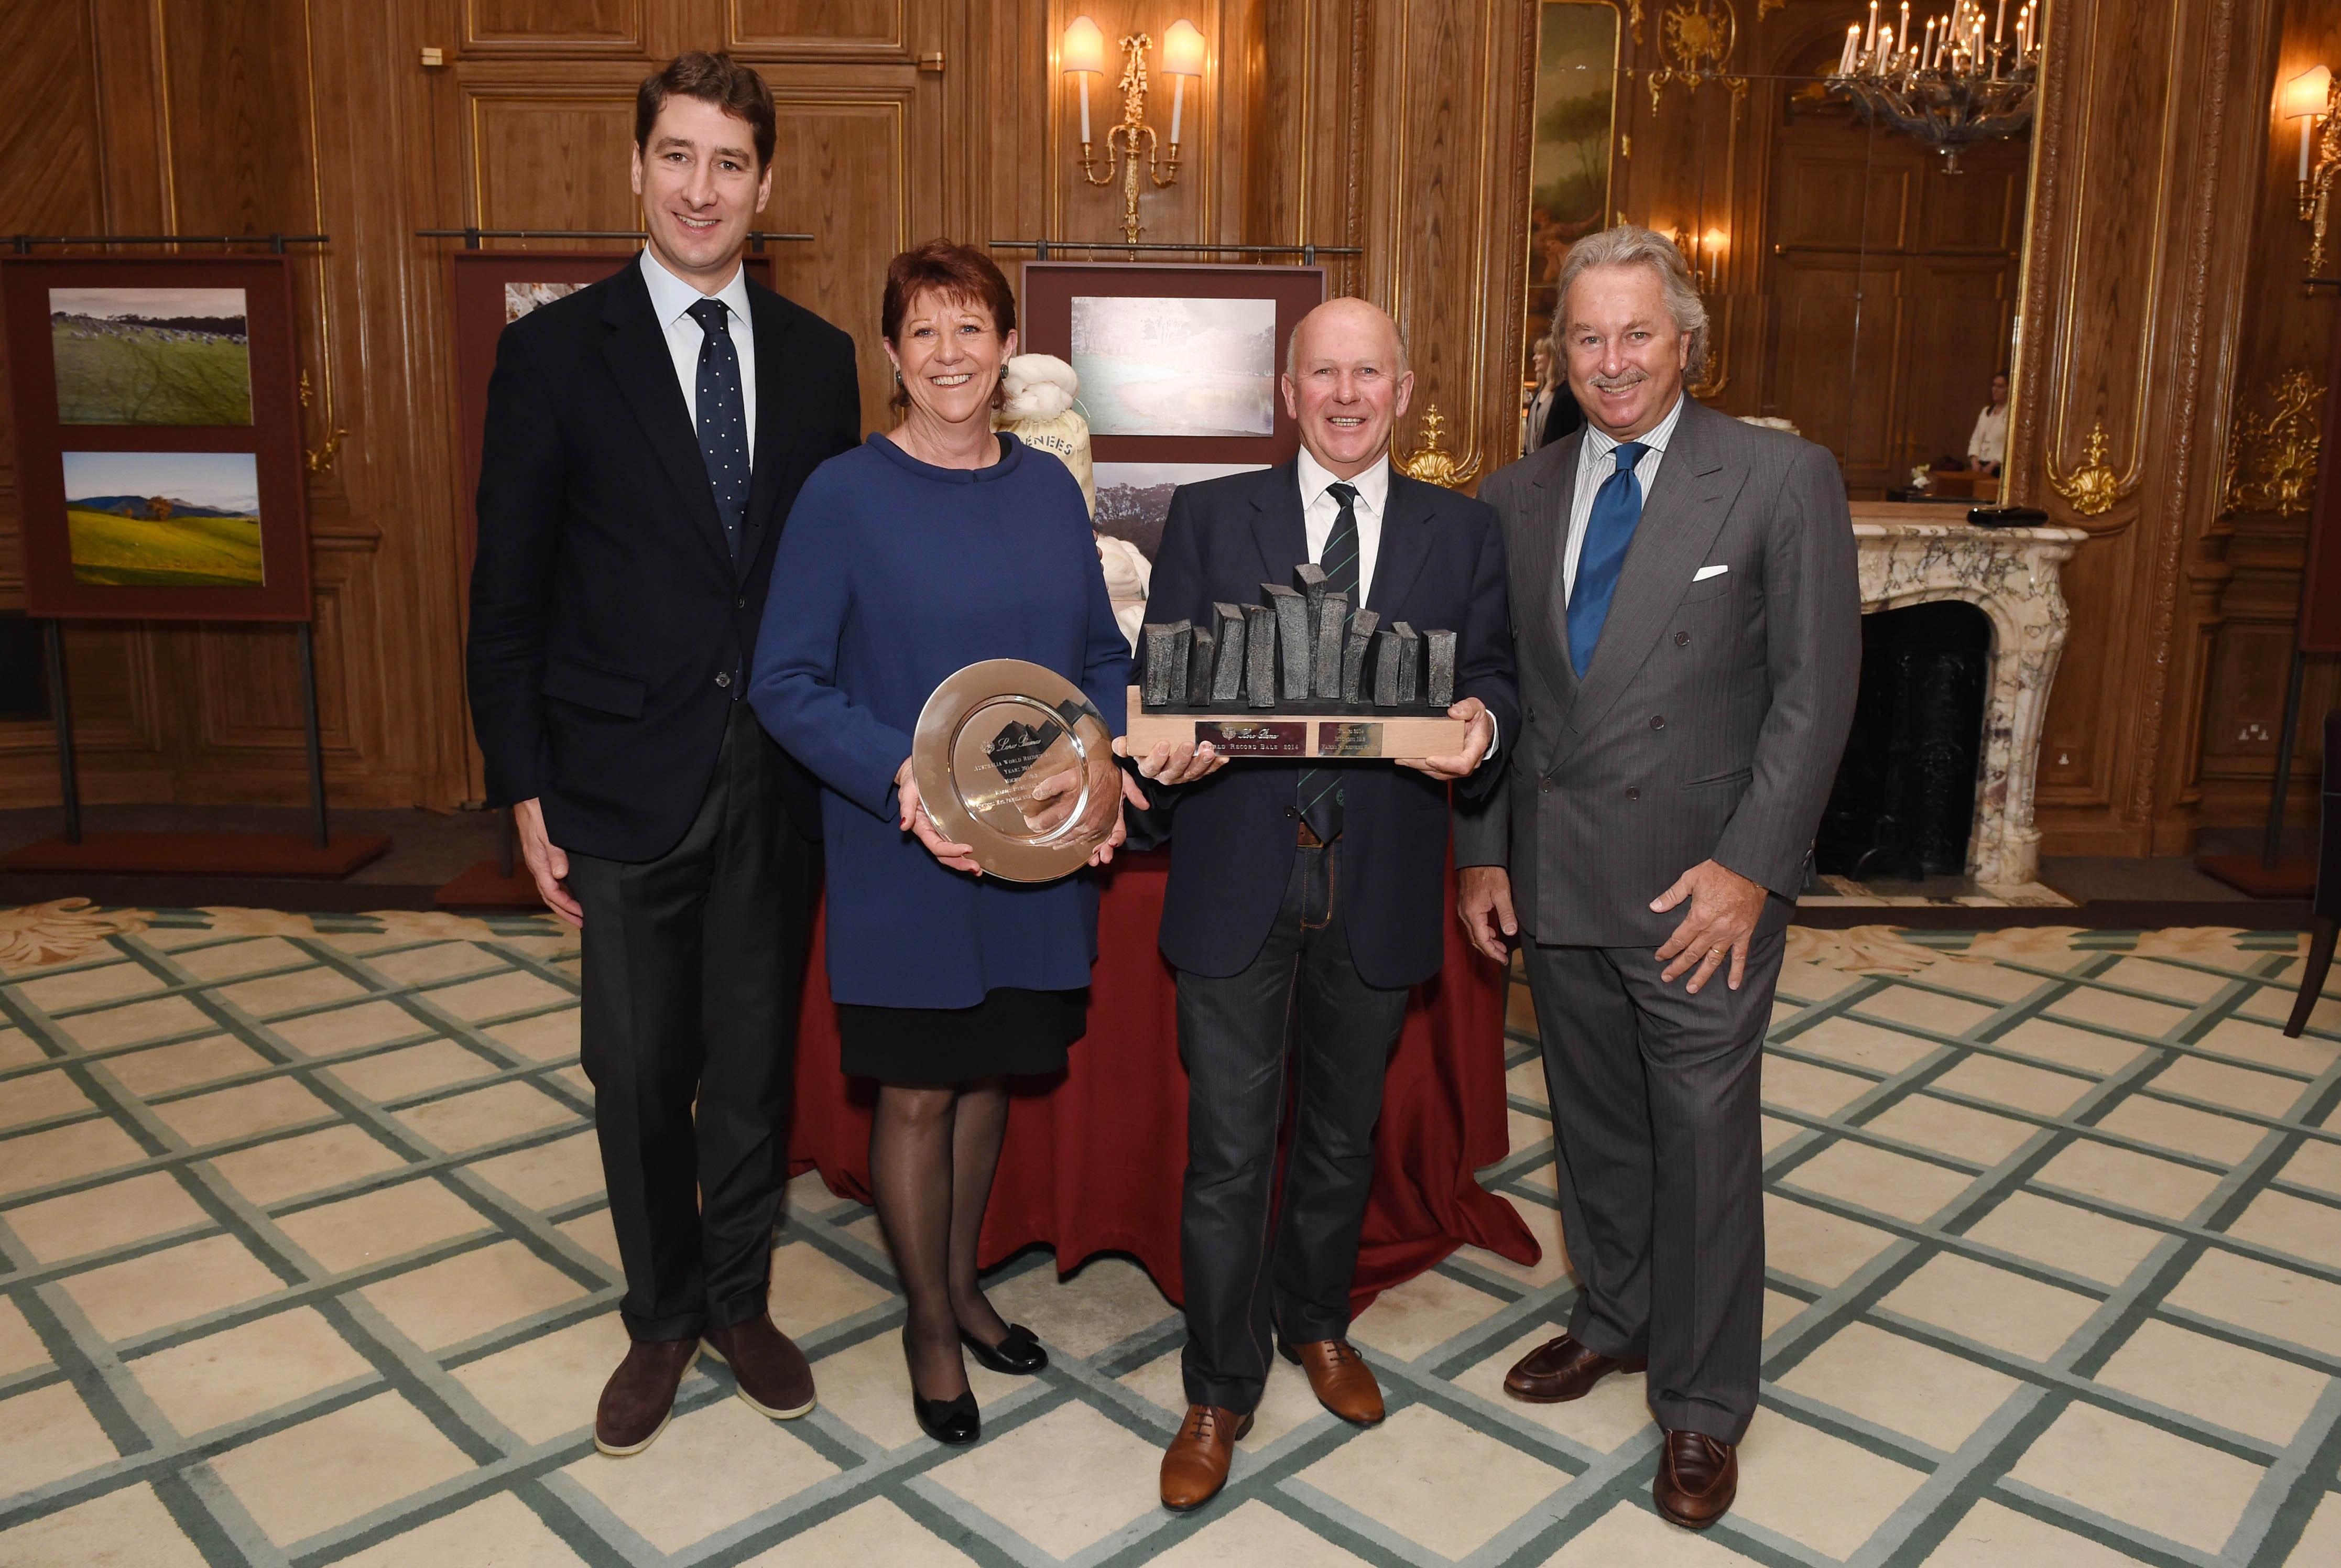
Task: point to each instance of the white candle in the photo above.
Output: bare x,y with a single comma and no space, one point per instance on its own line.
1083,77
1178,106
1998,22
1870,42
1903,32
1927,50
2306,122
1852,42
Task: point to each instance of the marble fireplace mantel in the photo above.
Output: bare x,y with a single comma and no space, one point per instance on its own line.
1911,554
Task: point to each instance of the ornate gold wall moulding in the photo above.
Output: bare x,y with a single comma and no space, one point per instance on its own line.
2091,489
1634,19
1765,8
2280,451
1431,462
1697,38
319,458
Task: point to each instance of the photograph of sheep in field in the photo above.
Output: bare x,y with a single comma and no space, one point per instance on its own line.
151,356
163,519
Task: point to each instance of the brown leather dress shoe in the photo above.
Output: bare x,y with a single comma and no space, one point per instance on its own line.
1562,1369
639,1399
771,1371
1698,1478
1339,1377
1196,1466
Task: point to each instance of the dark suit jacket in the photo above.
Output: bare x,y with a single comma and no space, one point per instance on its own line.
1564,418
1440,567
610,628
1711,719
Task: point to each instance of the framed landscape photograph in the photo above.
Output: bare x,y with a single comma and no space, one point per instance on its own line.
1178,364
1133,499
490,290
158,437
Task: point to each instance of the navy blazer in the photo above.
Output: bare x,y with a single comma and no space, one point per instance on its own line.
610,622
1440,567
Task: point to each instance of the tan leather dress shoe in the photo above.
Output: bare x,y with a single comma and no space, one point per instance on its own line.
639,1399
771,1371
1562,1369
1339,1377
1196,1466
1699,1476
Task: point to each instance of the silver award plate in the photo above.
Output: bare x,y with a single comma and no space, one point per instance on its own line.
1012,760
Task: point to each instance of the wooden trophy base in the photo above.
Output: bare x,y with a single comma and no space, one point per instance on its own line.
1336,731
200,854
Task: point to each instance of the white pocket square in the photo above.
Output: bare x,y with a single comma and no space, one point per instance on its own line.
1704,572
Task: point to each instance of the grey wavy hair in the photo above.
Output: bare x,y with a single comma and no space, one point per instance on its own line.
1631,245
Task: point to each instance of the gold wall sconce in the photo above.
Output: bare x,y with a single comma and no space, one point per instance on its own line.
2311,96
1704,255
1083,55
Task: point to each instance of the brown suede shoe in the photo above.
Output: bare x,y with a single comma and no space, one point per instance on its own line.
1698,1478
1340,1378
1561,1369
1196,1466
639,1399
770,1369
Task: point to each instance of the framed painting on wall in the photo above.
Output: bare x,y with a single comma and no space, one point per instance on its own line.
1178,364
158,437
490,290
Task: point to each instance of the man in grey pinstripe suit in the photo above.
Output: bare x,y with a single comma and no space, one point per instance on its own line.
1686,625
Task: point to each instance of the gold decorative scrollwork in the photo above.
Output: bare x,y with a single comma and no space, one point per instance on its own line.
1431,462
1697,38
321,457
2281,450
2091,489
1634,18
1765,8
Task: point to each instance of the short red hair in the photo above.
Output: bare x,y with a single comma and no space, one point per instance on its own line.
961,273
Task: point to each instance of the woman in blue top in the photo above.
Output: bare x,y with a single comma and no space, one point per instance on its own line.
923,551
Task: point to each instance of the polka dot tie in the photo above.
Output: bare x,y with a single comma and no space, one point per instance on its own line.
723,417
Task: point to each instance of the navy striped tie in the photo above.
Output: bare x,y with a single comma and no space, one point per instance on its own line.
1320,793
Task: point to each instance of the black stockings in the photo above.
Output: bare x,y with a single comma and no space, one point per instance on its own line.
933,1153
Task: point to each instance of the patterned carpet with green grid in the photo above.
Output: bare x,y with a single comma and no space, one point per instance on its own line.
304,1259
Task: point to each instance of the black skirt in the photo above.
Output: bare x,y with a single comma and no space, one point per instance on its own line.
1011,1034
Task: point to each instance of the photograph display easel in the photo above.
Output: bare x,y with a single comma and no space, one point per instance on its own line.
159,459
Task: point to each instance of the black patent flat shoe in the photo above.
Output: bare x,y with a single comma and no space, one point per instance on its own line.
954,1421
1018,1354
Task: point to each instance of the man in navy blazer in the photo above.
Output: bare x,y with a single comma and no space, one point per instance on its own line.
646,439
1324,881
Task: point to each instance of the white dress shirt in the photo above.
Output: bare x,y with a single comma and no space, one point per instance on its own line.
1594,467
1319,510
670,302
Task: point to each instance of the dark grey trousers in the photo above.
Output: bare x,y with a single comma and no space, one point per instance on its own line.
693,970
1298,1010
1660,1164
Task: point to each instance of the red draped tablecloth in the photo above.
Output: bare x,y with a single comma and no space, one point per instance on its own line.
1094,1159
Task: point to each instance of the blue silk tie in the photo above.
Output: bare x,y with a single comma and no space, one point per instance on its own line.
722,413
1616,507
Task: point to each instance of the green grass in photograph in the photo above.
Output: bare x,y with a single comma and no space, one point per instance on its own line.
113,373
120,551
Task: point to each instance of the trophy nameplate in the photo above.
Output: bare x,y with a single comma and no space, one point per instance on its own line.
1012,760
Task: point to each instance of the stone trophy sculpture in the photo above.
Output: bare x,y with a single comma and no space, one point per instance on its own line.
1297,675
1040,412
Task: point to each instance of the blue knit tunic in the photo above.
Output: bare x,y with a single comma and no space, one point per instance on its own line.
891,575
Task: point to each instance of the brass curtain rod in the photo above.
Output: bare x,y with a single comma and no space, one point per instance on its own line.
24,243
472,238
1308,253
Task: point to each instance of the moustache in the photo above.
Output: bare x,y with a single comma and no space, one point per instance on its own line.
1618,383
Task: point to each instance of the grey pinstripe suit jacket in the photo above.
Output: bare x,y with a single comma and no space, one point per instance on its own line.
1710,722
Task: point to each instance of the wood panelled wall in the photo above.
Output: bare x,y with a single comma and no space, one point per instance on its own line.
1398,125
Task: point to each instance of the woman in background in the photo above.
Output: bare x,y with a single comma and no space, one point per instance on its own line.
1552,411
1987,448
927,549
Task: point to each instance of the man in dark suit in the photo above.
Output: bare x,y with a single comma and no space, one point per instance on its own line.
646,439
1322,881
1687,667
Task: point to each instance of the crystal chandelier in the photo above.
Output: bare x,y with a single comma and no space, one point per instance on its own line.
1957,83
